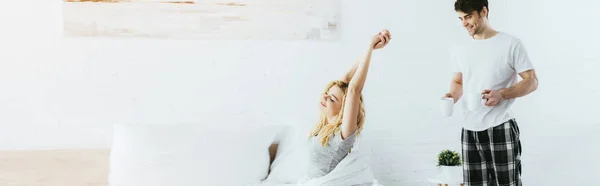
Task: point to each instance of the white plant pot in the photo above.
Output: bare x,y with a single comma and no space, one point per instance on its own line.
450,174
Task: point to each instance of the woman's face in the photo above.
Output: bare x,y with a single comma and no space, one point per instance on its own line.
331,101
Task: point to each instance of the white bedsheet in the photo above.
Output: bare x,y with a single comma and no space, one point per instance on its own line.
354,170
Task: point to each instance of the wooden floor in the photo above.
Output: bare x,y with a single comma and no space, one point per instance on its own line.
54,167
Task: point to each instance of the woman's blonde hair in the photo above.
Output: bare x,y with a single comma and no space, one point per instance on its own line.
326,130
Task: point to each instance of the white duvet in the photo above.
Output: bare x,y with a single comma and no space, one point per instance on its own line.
353,170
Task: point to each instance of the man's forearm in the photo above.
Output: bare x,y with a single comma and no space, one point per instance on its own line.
456,90
520,89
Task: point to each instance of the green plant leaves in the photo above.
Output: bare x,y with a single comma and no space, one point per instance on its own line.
449,158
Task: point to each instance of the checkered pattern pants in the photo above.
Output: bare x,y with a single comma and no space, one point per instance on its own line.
492,157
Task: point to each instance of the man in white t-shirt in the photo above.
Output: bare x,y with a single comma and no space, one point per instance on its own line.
486,81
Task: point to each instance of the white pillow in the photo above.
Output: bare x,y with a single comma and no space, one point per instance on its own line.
208,153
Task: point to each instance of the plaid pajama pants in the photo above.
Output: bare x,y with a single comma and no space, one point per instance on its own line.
493,156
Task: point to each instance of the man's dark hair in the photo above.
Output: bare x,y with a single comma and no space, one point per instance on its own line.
468,6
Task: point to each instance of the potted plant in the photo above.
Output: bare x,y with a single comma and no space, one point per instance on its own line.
449,165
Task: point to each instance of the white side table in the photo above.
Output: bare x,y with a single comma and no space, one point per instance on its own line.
448,176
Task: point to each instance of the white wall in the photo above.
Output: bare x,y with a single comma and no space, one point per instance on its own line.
66,93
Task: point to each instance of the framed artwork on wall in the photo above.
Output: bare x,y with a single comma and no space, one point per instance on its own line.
203,19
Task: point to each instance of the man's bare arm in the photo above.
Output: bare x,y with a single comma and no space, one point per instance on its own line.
456,89
523,88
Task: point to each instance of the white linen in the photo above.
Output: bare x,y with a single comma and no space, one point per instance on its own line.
291,155
352,170
208,153
288,169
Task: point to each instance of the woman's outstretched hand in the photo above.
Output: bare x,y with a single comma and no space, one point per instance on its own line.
381,39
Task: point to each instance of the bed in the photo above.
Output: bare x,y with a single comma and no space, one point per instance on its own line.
215,153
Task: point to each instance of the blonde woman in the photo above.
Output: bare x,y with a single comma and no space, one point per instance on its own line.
342,114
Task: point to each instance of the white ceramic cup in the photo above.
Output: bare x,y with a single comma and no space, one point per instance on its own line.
474,101
447,106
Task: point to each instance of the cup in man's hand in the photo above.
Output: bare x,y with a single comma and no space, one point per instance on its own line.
474,100
447,106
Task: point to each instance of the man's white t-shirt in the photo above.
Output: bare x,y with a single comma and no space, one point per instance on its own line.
492,64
